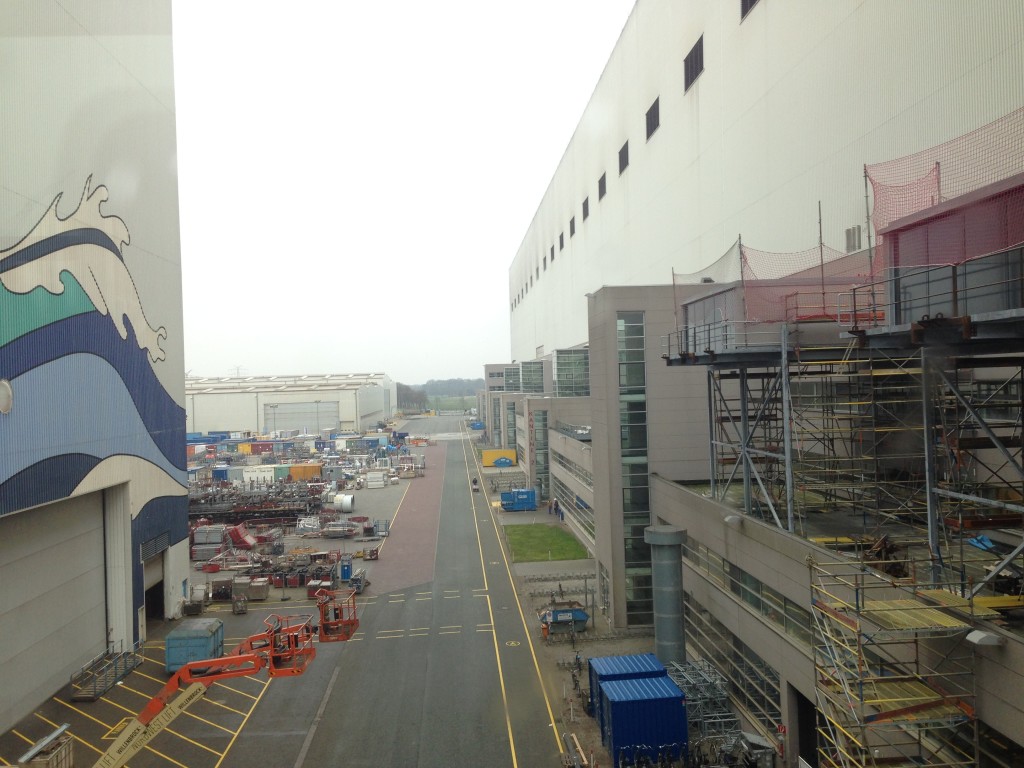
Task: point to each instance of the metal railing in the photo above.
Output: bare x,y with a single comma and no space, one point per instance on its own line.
985,285
720,337
104,671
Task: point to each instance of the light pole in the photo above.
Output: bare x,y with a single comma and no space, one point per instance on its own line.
317,403
273,415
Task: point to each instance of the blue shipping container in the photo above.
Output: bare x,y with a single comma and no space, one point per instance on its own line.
644,716
604,668
519,500
193,640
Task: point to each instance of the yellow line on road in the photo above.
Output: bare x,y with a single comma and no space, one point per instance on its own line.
245,720
223,706
243,693
522,617
23,737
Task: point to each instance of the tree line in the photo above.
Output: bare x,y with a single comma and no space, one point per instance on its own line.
413,398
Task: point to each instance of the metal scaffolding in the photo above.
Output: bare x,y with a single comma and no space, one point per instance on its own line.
894,675
707,699
899,448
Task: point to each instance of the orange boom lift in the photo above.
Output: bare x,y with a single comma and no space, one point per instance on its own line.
284,649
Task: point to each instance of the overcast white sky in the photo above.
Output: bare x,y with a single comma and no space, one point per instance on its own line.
356,177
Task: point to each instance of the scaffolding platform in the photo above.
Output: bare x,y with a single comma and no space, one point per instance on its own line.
910,617
960,605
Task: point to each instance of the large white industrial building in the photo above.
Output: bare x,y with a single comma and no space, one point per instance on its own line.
93,497
311,404
788,102
727,144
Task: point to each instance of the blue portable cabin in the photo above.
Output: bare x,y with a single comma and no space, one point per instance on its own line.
644,716
605,668
519,499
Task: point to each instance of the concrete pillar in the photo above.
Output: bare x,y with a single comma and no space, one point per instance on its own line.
667,577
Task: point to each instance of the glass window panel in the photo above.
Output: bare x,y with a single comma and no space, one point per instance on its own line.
633,436
636,500
631,375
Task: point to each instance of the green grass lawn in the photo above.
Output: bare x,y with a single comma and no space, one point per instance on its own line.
463,403
530,543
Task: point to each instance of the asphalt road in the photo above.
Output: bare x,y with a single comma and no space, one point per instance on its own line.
442,671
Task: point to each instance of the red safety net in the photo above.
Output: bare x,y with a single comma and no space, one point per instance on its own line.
803,286
951,202
783,287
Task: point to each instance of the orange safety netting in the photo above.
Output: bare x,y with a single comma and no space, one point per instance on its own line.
783,287
800,286
969,189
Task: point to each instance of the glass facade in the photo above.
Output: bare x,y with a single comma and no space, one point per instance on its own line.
636,510
769,603
512,379
510,424
752,681
495,424
572,372
576,509
580,473
539,435
531,377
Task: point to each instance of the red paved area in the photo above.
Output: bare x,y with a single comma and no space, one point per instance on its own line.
408,555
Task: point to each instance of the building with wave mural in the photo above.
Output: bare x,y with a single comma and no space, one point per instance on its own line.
93,492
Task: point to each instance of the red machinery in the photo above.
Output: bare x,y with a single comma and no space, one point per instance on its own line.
338,620
284,649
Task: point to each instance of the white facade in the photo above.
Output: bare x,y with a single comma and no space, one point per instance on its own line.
266,405
93,485
793,100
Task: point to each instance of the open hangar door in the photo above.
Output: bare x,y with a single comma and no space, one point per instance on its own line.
153,573
53,600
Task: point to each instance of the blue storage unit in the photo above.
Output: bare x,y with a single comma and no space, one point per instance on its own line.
346,567
605,668
643,716
193,640
518,499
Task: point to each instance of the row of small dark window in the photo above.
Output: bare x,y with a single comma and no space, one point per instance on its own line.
693,65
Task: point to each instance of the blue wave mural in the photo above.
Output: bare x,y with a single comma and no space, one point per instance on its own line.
77,382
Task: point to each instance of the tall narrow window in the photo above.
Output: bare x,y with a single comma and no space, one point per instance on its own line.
561,240
586,208
693,64
745,6
572,226
602,186
552,254
624,158
653,119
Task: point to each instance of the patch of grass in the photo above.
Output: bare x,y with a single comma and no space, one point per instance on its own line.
455,403
531,543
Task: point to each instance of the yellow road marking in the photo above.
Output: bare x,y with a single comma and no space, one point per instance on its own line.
23,737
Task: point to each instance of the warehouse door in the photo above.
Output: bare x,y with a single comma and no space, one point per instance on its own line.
53,604
153,571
